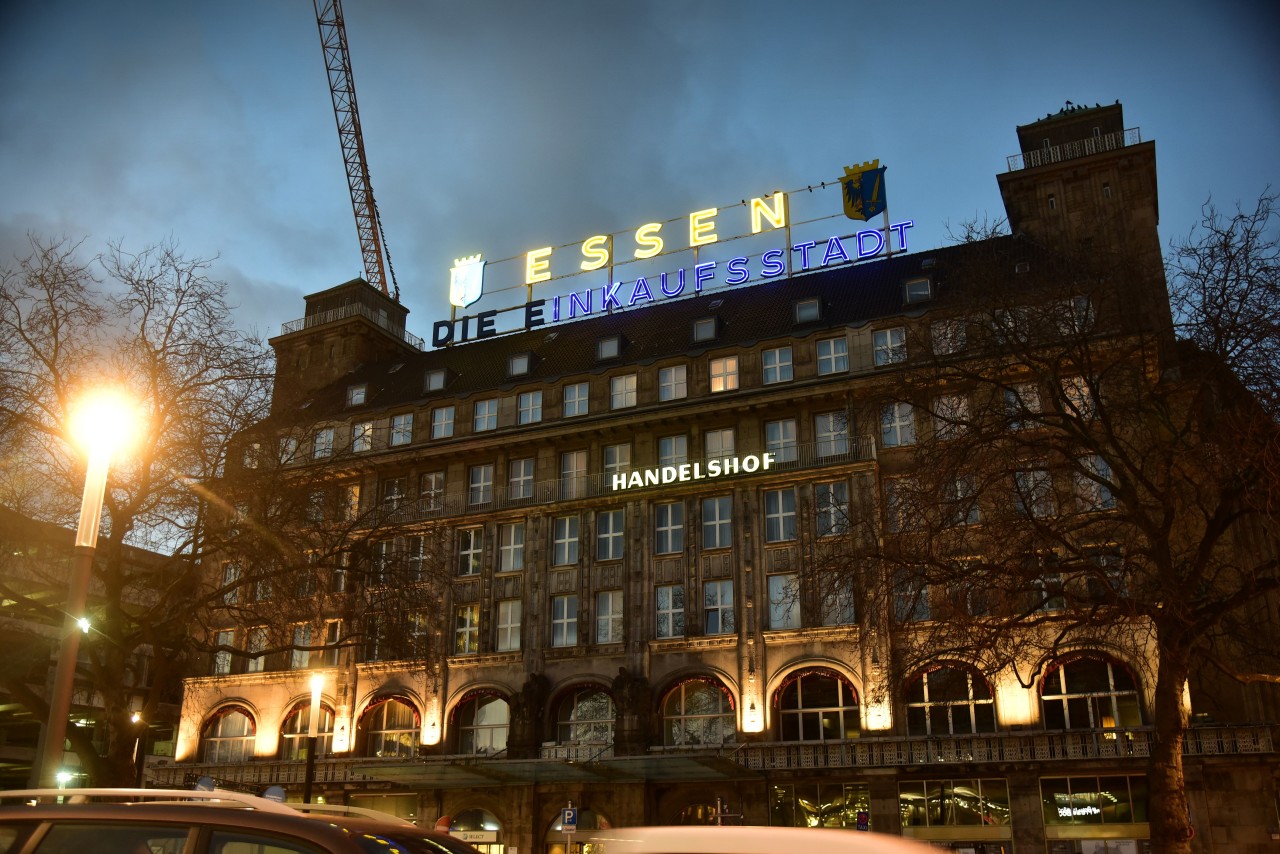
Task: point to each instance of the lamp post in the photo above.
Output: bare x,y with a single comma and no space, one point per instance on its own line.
102,424
313,729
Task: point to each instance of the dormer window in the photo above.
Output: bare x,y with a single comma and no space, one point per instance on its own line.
356,394
518,365
917,290
434,380
807,310
704,329
609,348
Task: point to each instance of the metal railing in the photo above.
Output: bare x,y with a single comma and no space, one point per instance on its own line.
354,309
1072,150
500,496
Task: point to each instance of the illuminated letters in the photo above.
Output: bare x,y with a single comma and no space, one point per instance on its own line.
596,252
702,227
648,241
777,215
537,265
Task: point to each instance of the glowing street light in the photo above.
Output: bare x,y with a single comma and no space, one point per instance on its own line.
104,423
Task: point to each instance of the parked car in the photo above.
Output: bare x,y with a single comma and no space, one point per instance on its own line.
157,821
710,839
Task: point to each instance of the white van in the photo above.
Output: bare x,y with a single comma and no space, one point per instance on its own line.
709,839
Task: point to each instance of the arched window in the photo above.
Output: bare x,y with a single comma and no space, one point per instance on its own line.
1089,692
482,722
228,736
697,711
390,728
293,733
949,700
817,705
585,717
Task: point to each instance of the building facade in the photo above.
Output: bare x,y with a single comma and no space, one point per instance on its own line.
615,521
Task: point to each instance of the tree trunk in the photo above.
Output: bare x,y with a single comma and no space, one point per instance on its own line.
1169,815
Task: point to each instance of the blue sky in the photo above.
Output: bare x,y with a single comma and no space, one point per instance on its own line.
499,127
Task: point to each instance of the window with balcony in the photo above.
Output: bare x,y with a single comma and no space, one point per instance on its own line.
949,700
831,433
817,705
719,443
480,484
780,440
697,712
573,474
483,724
673,450
585,716
1089,692
520,479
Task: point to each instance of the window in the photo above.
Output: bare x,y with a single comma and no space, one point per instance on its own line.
228,737
717,522
288,449
393,492
485,415
520,479
806,310
622,391
609,348
950,415
609,535
415,556
255,643
294,733
1078,399
780,440
1094,800
617,458
391,728
719,443
362,436
724,374
1048,593
1073,316
947,337
230,583
776,364
322,446
466,630
431,489
818,705
573,474
564,620
910,597
225,639
509,621
585,717
529,407
356,394
442,422
434,380
779,515
673,450
401,429
831,433
838,603
564,545
917,290
1021,405
483,725
897,425
717,607
518,365
967,802
704,329
960,498
609,616
833,356
889,346
831,505
949,700
669,607
1033,491
300,656
697,712
470,550
784,601
668,528
511,547
332,638
673,383
575,399
1093,484
1089,693
480,484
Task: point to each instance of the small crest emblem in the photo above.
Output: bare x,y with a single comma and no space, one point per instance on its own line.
863,190
466,280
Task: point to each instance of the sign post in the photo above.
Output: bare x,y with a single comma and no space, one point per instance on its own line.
569,824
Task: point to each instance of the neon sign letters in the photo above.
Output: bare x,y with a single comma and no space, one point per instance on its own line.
692,471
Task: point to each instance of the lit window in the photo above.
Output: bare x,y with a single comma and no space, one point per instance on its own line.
362,436
897,425
669,606
485,415
717,607
776,364
586,717
724,374
704,329
622,391
609,616
401,429
889,346
483,724
668,528
564,620
355,394
442,422
779,515
833,356
807,310
575,399
780,440
529,407
609,348
466,630
673,383
228,738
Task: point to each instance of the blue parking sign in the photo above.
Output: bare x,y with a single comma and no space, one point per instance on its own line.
569,818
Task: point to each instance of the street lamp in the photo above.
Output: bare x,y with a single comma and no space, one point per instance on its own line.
313,729
103,424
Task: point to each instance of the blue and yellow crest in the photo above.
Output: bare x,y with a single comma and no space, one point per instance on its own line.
863,190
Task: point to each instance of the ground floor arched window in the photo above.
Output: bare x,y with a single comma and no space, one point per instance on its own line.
390,728
950,700
817,705
293,732
1089,692
697,711
585,716
481,724
228,736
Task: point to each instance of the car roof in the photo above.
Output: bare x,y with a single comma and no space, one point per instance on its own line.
710,839
432,841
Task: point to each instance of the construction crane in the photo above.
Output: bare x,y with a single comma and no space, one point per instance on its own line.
337,62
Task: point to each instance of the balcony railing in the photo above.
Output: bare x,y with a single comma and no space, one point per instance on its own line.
870,752
503,495
1072,150
354,309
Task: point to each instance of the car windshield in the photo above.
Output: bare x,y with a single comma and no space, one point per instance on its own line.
407,842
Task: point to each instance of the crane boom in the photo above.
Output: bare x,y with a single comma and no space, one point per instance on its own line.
337,61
